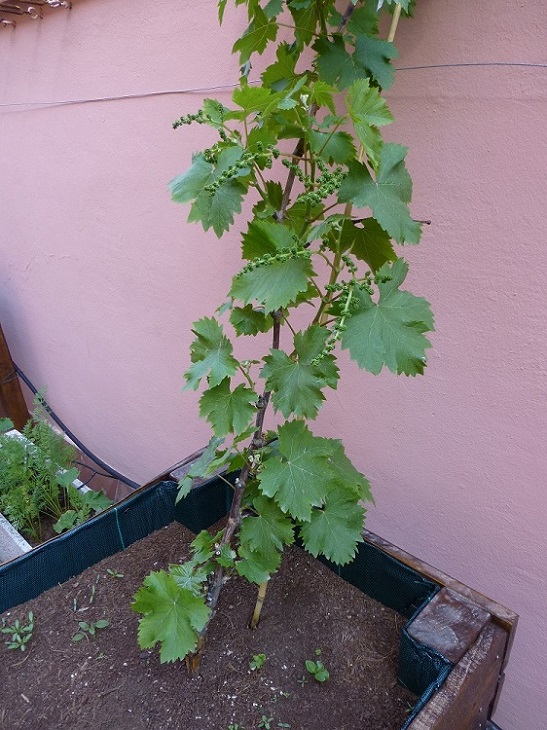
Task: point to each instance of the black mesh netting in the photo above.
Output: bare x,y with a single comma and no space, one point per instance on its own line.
374,572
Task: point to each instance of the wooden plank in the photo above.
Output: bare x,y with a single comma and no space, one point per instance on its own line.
464,700
11,395
502,616
449,624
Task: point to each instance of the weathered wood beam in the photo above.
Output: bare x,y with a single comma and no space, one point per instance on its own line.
11,395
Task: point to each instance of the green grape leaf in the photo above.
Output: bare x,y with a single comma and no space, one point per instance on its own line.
348,479
405,4
189,577
204,545
172,616
274,285
335,530
256,37
265,237
217,211
334,64
371,57
269,530
249,321
297,381
214,210
375,56
281,74
298,478
215,112
199,468
226,557
369,242
387,196
368,111
364,20
228,411
322,230
273,8
256,99
306,16
256,566
211,354
189,185
322,94
334,147
390,332
366,106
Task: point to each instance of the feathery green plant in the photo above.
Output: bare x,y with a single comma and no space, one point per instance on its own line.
36,475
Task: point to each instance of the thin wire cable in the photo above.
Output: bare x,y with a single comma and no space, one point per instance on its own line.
124,97
474,64
227,87
75,439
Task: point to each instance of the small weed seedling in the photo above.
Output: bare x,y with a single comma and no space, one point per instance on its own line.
87,630
113,573
257,662
265,722
235,726
20,634
317,669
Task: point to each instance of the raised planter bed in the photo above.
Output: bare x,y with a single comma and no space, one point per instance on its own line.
453,649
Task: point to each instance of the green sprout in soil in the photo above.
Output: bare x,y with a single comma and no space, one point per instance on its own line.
19,633
257,662
88,630
317,670
113,573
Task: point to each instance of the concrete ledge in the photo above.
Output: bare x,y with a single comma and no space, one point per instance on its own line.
12,544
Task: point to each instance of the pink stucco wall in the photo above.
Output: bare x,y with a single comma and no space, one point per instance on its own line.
100,276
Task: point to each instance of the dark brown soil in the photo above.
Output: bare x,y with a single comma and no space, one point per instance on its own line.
108,682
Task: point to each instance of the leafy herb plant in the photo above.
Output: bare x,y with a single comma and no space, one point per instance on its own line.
320,273
88,630
257,662
19,633
36,475
317,669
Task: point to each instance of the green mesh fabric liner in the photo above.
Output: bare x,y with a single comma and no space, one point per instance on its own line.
374,572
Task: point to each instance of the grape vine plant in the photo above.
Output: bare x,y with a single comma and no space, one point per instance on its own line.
320,273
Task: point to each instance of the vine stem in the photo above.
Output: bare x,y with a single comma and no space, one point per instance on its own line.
234,516
394,23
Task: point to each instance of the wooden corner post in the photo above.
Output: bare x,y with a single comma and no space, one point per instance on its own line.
11,395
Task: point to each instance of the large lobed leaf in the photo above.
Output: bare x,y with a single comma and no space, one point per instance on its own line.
172,616
214,210
297,381
274,285
298,478
211,354
389,332
335,530
228,411
387,196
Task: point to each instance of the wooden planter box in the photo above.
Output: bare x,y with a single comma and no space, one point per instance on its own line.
474,633
453,649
